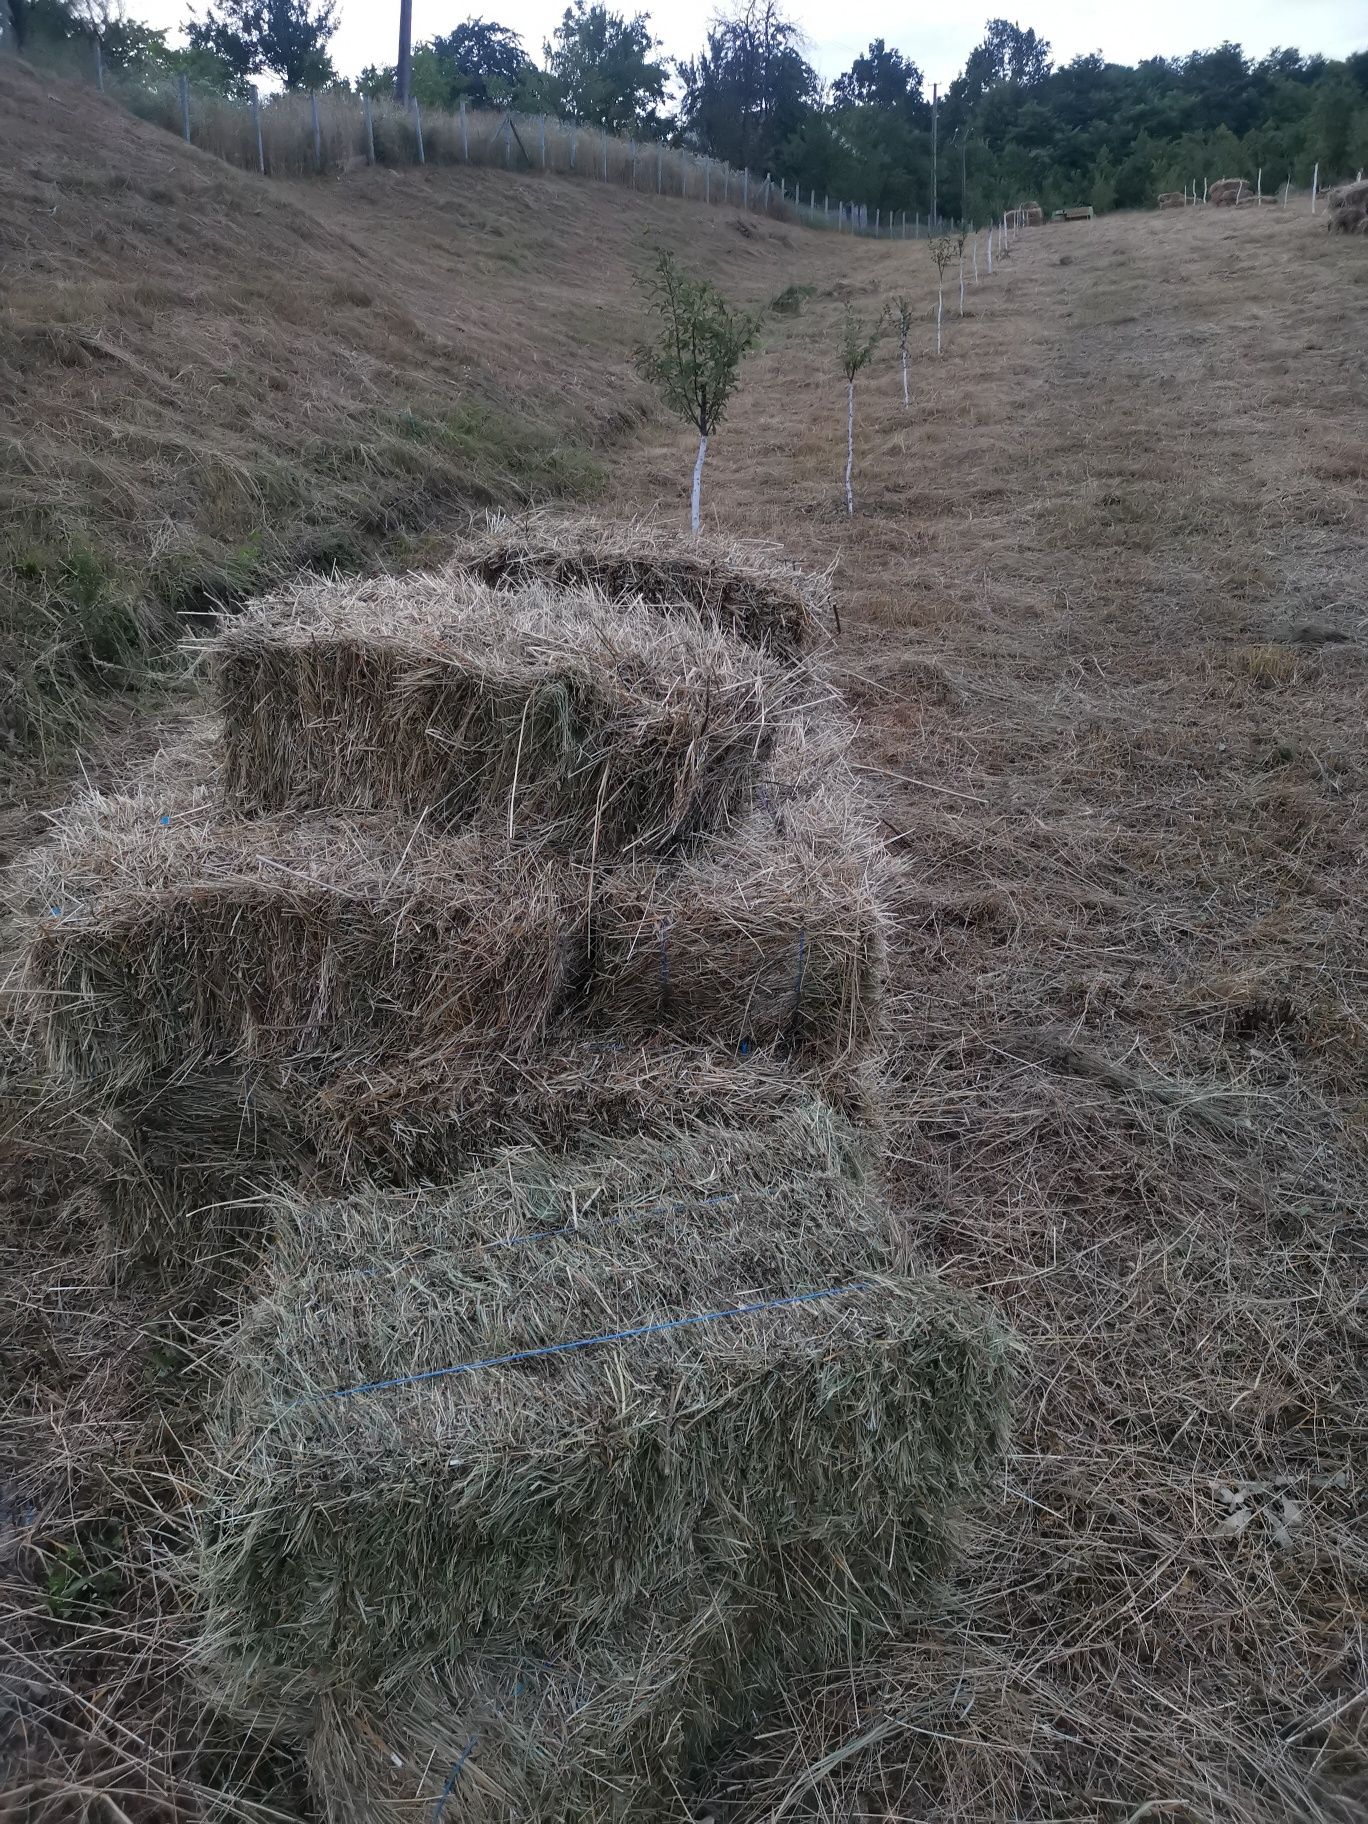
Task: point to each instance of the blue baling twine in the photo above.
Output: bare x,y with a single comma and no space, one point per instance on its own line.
452,1778
802,964
583,1342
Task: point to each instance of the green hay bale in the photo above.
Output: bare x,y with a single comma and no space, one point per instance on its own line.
749,590
188,1169
163,937
807,1455
775,934
552,716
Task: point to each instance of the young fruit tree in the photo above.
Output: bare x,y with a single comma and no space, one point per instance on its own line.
857,346
943,252
696,354
902,309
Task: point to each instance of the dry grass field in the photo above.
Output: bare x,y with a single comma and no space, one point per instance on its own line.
1104,624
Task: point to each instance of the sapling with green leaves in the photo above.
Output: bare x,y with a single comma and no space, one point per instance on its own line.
902,309
696,356
857,347
942,250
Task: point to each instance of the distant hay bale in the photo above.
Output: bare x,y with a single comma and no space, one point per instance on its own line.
1173,199
750,590
1032,215
163,937
807,1455
549,715
1347,211
775,935
1227,192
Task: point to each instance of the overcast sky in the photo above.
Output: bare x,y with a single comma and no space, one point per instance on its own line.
1124,34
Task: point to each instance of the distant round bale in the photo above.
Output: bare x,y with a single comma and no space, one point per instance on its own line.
1228,192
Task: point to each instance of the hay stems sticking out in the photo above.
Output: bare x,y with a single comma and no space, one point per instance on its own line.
551,716
816,1446
749,590
188,1168
163,937
776,934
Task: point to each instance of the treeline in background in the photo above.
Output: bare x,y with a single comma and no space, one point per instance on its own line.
1011,125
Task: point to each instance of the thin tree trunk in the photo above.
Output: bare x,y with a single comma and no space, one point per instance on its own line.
697,484
903,351
850,447
961,284
940,306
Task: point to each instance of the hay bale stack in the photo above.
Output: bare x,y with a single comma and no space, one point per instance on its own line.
171,939
1032,215
1229,192
551,716
749,590
1173,199
806,1454
1348,208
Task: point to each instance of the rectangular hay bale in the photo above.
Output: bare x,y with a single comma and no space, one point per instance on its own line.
164,937
774,935
750,590
719,1368
551,716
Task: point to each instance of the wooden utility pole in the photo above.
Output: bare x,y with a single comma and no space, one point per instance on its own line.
403,72
935,146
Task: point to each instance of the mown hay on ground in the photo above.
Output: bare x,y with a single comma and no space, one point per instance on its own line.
808,1454
750,590
162,936
551,715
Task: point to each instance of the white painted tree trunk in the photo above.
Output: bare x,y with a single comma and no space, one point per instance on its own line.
940,306
903,352
1315,186
850,447
697,484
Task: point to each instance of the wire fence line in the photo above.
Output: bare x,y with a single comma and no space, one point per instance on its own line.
335,130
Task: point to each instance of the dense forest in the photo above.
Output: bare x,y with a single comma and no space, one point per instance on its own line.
1013,124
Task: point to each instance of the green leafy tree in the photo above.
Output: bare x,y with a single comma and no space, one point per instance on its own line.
750,91
479,62
858,342
696,353
603,68
882,78
284,38
944,250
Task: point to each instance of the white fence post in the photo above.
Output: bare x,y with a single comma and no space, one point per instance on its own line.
1315,186
256,122
317,132
185,107
465,133
418,130
574,144
542,123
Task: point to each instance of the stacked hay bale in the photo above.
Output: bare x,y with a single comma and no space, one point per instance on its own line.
495,988
1348,208
1229,192
1173,199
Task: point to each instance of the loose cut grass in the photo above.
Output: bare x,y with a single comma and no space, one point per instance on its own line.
749,589
809,1455
550,715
